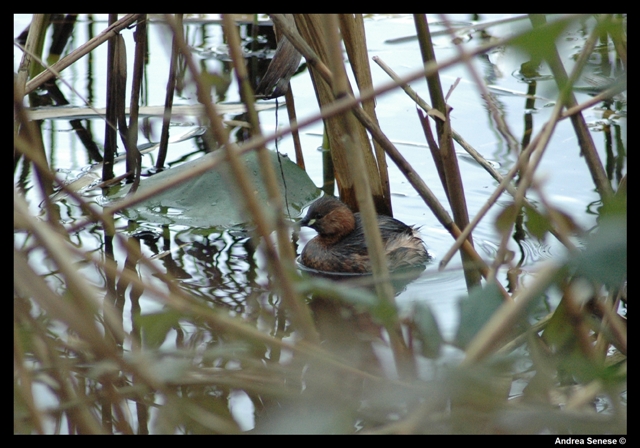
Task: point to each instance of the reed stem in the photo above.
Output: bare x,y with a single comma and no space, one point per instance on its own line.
168,101
448,161
404,360
111,31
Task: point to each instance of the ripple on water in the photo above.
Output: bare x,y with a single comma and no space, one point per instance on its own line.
526,252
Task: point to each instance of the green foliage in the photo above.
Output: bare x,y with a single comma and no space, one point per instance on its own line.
540,42
614,207
540,224
561,336
361,298
156,326
199,411
426,329
604,259
219,82
506,218
475,312
537,224
484,386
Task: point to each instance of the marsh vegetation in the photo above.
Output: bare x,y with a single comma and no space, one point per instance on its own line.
161,164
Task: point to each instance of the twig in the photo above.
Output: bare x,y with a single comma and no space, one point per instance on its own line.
291,112
353,35
132,130
79,52
30,49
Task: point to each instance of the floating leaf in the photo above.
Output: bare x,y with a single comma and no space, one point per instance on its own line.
89,177
211,199
85,179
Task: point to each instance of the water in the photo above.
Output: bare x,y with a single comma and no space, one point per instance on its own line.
221,268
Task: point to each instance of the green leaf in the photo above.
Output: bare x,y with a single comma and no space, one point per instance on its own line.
537,224
506,218
557,333
220,82
427,330
212,199
570,361
614,207
360,298
605,258
539,43
156,326
475,311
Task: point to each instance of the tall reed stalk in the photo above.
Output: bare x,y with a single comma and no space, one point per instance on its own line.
444,153
585,141
312,31
168,102
356,171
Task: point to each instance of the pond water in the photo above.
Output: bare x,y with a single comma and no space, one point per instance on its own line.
218,265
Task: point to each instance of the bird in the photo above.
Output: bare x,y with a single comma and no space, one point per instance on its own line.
340,244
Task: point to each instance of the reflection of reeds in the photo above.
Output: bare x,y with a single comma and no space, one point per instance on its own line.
71,336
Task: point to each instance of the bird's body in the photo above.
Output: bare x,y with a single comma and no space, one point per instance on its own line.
340,244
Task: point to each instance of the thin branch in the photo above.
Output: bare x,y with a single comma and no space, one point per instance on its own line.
58,67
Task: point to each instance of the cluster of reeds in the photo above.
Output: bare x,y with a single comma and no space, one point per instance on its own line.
315,373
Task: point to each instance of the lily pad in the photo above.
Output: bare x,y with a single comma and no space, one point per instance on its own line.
212,199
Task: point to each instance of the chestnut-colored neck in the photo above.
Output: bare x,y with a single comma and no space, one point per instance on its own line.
338,223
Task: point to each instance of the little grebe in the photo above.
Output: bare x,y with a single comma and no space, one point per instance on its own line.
340,245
